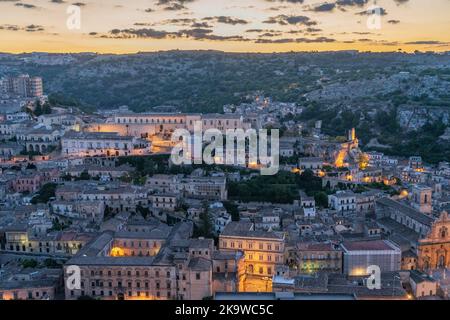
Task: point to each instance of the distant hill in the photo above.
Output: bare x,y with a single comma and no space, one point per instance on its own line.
200,81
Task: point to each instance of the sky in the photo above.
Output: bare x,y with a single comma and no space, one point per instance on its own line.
129,26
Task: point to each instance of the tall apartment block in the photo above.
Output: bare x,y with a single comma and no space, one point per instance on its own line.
23,85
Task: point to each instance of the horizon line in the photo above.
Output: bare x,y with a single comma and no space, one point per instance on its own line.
400,51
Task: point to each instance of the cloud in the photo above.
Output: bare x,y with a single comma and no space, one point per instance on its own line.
297,40
324,7
427,42
226,20
28,28
149,33
173,5
283,19
26,5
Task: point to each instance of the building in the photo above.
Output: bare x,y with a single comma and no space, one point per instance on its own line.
416,163
23,86
308,205
150,124
208,188
102,144
434,249
27,181
311,163
228,271
343,201
359,255
162,183
365,202
40,139
29,284
221,221
180,270
61,243
268,220
286,149
263,250
318,257
422,199
166,202
404,215
422,284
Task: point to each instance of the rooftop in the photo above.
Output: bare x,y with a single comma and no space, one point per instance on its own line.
375,245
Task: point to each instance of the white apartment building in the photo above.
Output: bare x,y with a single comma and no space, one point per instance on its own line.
102,144
342,201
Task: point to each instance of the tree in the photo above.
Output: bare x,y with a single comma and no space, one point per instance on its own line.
321,199
143,211
108,212
29,263
51,263
232,209
37,108
45,193
85,176
206,226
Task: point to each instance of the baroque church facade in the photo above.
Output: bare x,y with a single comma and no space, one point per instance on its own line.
434,250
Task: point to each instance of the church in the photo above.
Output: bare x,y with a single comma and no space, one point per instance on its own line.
434,250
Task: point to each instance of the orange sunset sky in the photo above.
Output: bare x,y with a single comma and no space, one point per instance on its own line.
118,26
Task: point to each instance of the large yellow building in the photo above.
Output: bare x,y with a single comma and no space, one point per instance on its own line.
263,251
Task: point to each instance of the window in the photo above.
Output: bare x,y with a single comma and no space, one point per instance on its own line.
197,276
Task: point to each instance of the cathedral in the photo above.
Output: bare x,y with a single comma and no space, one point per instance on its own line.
434,250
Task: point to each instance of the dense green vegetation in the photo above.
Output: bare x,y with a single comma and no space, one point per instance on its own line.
232,209
283,187
45,193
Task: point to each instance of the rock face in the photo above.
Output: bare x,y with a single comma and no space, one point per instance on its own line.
412,117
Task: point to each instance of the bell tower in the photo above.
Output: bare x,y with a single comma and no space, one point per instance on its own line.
421,199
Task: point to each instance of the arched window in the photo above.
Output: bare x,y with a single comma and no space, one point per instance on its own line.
443,232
